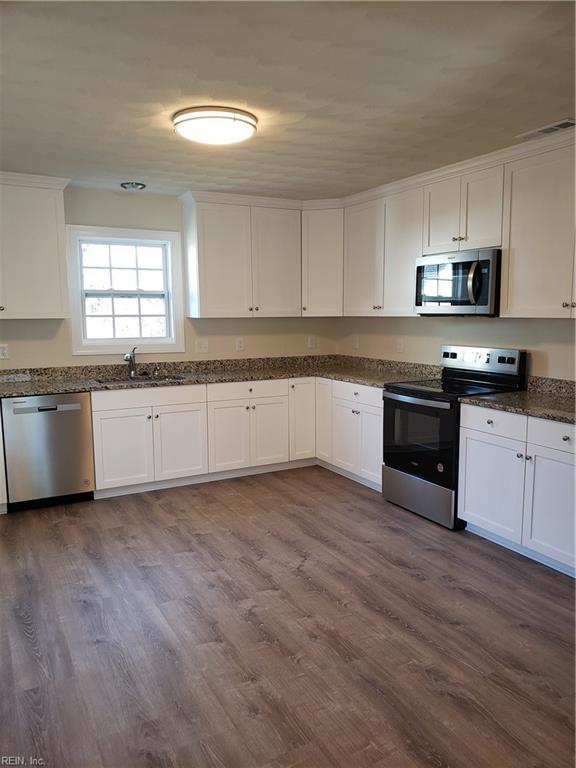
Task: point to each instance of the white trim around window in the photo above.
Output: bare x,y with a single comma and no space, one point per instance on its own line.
172,292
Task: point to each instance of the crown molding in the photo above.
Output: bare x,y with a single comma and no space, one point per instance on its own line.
30,180
501,156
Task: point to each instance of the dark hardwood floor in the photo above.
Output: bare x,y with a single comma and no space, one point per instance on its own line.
284,620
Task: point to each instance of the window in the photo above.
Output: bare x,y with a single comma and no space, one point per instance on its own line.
126,289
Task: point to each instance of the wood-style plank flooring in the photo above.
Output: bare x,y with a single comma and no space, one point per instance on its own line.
284,620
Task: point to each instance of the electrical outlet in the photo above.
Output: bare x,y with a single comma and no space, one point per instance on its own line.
400,344
239,344
311,342
356,342
4,352
201,345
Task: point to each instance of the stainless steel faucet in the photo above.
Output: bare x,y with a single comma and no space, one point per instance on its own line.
130,358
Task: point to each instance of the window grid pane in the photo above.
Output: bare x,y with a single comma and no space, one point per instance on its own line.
124,290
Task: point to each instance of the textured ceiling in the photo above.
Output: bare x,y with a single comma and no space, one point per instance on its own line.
349,95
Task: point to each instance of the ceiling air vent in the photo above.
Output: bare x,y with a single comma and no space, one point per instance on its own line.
546,130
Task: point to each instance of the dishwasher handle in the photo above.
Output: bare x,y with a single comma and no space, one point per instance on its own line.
50,408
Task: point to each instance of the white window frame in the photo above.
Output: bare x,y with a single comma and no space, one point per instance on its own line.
171,240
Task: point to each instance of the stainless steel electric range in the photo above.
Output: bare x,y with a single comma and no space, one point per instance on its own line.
422,422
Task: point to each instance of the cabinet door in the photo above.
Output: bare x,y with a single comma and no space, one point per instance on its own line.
3,491
276,269
441,216
371,443
32,253
180,441
549,503
269,430
324,419
302,409
403,245
364,259
224,261
538,235
322,262
123,447
491,483
228,435
345,435
481,208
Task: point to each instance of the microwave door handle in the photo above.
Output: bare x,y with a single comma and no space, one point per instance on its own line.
470,283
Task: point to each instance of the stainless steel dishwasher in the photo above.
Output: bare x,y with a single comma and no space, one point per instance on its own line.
48,447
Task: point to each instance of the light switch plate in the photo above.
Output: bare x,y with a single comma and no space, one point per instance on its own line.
239,344
311,342
201,345
4,352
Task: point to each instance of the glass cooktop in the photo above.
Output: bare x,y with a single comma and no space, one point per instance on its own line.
452,388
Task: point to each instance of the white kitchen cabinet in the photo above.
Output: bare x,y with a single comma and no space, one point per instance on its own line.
538,236
33,281
269,442
228,435
322,262
324,419
491,482
219,259
402,245
180,441
370,457
302,412
276,262
345,435
3,489
364,259
463,212
548,525
123,447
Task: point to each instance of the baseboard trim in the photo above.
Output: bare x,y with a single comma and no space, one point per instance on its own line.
126,490
525,551
349,475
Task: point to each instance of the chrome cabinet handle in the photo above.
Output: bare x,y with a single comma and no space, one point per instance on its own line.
461,238
247,407
292,386
250,389
573,305
519,455
489,421
2,309
565,438
257,309
565,304
149,417
356,394
157,416
528,458
303,309
376,306
250,309
454,239
253,407
356,412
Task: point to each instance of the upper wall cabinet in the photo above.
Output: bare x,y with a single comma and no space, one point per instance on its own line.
538,247
32,248
364,259
322,262
463,212
242,261
402,246
276,270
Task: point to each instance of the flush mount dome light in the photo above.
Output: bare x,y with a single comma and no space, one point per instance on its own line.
215,125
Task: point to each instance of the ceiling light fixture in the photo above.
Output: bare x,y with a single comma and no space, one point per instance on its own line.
133,186
215,125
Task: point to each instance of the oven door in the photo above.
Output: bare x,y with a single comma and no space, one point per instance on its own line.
420,437
466,282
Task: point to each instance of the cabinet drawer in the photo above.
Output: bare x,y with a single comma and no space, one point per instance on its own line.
148,396
237,390
512,425
552,434
357,393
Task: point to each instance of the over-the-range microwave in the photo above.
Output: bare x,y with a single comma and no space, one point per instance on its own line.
460,283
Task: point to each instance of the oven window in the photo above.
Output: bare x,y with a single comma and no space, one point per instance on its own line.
418,430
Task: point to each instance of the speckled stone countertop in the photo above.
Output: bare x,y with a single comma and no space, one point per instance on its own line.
545,398
542,405
374,373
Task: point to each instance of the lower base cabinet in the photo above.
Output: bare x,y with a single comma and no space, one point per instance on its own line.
246,433
302,409
324,419
180,441
548,524
357,436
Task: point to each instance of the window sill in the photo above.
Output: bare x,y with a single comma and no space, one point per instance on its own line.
126,345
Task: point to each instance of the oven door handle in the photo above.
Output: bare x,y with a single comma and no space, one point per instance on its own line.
417,400
470,282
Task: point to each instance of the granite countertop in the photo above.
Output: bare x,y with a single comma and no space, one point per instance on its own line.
542,405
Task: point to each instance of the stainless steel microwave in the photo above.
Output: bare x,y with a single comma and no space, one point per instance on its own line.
461,283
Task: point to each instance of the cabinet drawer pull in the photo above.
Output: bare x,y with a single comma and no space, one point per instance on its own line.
489,421
573,305
292,386
565,438
454,239
303,309
257,309
565,304
519,455
250,309
157,416
149,417
528,458
253,407
250,389
2,309
247,407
